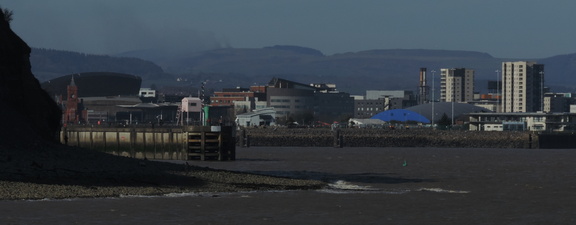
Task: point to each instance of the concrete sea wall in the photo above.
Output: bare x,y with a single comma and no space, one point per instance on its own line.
151,143
175,143
171,143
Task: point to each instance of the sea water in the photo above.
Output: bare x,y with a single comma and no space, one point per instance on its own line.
364,186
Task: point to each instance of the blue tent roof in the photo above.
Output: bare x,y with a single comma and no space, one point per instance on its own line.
401,115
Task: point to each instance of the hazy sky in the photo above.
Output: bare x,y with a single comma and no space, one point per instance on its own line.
502,28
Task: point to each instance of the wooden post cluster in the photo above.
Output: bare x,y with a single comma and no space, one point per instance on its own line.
210,143
338,139
244,139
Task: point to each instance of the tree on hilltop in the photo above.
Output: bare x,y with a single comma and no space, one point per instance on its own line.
7,14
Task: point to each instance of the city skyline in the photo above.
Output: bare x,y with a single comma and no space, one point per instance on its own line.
510,29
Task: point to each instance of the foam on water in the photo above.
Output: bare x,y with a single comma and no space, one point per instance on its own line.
241,194
440,190
344,187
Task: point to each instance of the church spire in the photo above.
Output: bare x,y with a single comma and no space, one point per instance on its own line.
72,83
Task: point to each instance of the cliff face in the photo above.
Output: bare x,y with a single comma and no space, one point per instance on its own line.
26,111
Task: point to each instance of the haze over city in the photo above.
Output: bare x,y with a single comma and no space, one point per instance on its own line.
504,29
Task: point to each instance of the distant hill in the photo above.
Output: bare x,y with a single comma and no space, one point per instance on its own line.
352,72
48,64
355,72
560,70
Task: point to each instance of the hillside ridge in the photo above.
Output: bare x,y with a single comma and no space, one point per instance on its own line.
352,71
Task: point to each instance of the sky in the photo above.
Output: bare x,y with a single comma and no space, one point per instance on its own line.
502,28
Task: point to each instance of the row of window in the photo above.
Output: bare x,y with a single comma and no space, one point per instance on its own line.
368,109
279,100
222,101
369,103
287,106
359,114
520,119
283,100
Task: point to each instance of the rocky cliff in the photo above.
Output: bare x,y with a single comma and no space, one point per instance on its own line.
27,113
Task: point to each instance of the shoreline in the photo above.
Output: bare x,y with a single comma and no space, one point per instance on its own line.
54,171
22,190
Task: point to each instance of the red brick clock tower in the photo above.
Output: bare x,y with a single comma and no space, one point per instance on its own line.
71,115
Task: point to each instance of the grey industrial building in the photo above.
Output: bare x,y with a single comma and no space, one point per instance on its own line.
305,102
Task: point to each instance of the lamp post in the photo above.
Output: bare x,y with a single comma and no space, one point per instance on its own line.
453,97
541,90
433,100
406,120
498,90
202,116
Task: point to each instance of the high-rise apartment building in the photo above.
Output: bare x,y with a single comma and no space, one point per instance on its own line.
456,85
522,86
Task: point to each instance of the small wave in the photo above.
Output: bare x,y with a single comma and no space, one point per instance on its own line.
343,185
177,195
48,200
336,191
240,194
440,190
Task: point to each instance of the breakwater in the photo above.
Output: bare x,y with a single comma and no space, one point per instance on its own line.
185,143
354,137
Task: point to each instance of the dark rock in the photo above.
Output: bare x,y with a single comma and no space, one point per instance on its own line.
27,112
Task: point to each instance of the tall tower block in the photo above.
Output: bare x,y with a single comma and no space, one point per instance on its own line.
456,85
423,88
522,86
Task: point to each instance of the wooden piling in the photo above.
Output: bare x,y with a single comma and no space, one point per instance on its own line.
207,144
338,142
